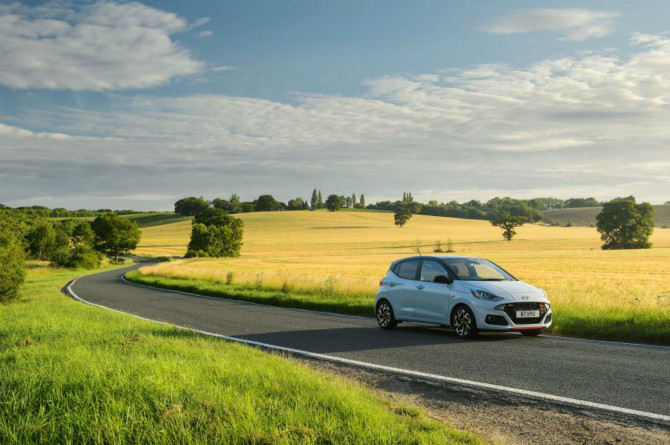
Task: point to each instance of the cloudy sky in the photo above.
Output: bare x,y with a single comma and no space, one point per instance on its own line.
133,105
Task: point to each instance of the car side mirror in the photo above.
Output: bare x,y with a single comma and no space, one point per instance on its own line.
443,279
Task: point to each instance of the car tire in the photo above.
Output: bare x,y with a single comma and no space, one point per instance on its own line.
385,317
533,333
464,323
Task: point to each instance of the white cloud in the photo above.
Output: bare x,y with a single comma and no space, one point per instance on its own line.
221,68
588,124
101,46
205,34
575,24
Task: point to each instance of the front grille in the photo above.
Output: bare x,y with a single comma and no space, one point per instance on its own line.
511,308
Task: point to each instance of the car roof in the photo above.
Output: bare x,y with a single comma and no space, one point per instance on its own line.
437,257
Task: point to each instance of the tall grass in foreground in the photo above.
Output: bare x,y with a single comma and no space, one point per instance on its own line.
74,373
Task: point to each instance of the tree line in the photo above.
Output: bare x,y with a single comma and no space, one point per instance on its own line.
192,205
46,212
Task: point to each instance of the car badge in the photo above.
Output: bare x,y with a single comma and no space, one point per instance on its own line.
525,297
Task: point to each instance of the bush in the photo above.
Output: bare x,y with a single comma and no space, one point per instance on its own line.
80,257
12,267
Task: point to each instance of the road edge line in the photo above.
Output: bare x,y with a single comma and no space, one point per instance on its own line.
399,371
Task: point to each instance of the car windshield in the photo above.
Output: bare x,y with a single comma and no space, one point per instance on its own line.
469,269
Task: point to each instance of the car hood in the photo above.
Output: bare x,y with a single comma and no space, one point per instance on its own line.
514,290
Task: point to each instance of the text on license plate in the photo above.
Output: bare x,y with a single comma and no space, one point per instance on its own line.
527,314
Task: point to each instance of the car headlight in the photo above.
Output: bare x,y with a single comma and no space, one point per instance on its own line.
484,295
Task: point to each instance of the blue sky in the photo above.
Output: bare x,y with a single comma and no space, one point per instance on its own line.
137,104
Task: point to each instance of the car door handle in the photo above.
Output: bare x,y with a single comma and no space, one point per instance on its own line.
420,286
392,284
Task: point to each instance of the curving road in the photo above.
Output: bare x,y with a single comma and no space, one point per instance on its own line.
635,377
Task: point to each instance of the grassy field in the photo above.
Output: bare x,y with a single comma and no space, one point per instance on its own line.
147,219
152,219
586,216
335,260
72,373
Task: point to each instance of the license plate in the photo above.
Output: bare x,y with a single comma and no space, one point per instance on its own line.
527,314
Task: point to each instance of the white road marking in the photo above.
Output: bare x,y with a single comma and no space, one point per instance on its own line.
400,371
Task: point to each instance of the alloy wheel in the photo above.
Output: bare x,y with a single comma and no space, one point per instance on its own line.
462,322
384,315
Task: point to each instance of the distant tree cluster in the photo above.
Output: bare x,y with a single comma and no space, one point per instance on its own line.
192,206
45,212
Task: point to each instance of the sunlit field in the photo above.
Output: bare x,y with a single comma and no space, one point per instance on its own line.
344,255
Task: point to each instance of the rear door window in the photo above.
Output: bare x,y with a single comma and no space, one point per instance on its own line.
407,269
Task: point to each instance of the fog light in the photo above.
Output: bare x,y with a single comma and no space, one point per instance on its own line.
548,319
495,320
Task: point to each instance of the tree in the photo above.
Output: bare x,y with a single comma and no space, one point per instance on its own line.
314,202
215,233
83,234
296,204
623,224
114,235
78,257
362,202
190,206
222,204
267,203
235,203
401,216
12,267
353,201
319,201
334,203
41,239
508,223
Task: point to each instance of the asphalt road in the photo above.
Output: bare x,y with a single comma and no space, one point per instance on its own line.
628,376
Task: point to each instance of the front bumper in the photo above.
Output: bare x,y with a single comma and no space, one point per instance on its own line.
504,319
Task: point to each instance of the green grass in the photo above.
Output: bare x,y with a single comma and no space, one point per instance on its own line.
145,219
152,219
586,216
75,373
606,323
317,300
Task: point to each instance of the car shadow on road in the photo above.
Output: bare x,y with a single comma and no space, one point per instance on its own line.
353,339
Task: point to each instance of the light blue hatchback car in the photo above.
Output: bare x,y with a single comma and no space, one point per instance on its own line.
467,293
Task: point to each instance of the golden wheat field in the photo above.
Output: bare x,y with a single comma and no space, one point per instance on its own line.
348,252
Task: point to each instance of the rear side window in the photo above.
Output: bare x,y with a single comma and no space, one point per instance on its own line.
407,269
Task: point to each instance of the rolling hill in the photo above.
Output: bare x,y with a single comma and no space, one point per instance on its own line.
586,216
